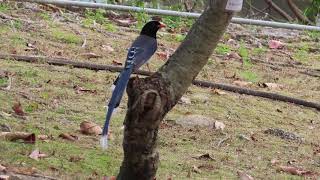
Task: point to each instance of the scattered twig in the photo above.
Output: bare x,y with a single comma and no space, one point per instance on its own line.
5,16
222,141
29,176
310,73
84,41
12,26
235,89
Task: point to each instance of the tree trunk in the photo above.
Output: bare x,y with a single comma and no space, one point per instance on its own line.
279,10
150,99
298,13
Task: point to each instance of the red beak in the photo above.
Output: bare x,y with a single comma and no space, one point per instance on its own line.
161,25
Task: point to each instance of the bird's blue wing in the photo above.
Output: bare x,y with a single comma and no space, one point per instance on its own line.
146,46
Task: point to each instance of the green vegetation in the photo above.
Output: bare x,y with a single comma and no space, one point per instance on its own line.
249,76
45,16
110,27
17,24
17,39
4,7
314,34
179,37
65,37
301,55
302,52
4,29
313,10
244,53
259,51
3,81
177,23
222,49
33,106
98,16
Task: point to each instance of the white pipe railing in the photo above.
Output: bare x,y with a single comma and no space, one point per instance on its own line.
172,13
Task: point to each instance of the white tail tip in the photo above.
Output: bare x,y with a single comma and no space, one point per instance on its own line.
104,142
112,87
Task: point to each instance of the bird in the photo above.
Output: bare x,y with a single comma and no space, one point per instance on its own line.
140,52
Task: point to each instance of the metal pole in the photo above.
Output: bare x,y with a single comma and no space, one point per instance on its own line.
173,13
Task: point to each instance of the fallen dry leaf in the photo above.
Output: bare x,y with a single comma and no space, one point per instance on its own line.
316,150
107,48
204,157
90,128
233,55
244,176
43,137
196,169
274,44
75,158
4,177
219,125
116,63
109,178
184,100
271,85
80,90
295,171
2,168
207,167
242,83
17,108
69,137
163,55
14,136
125,22
218,92
274,161
90,55
36,155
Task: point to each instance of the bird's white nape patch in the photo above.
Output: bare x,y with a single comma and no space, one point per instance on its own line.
104,142
115,110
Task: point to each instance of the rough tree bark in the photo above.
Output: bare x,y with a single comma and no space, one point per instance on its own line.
151,98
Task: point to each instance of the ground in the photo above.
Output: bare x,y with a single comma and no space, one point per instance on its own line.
53,105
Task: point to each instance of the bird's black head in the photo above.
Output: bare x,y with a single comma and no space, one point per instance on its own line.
151,28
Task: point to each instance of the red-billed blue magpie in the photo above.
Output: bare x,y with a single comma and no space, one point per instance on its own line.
139,53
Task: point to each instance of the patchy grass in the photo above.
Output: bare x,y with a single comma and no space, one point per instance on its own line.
3,81
249,76
65,37
45,16
17,40
259,51
222,49
47,94
4,7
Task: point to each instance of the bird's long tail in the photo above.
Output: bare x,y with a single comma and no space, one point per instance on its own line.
117,94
